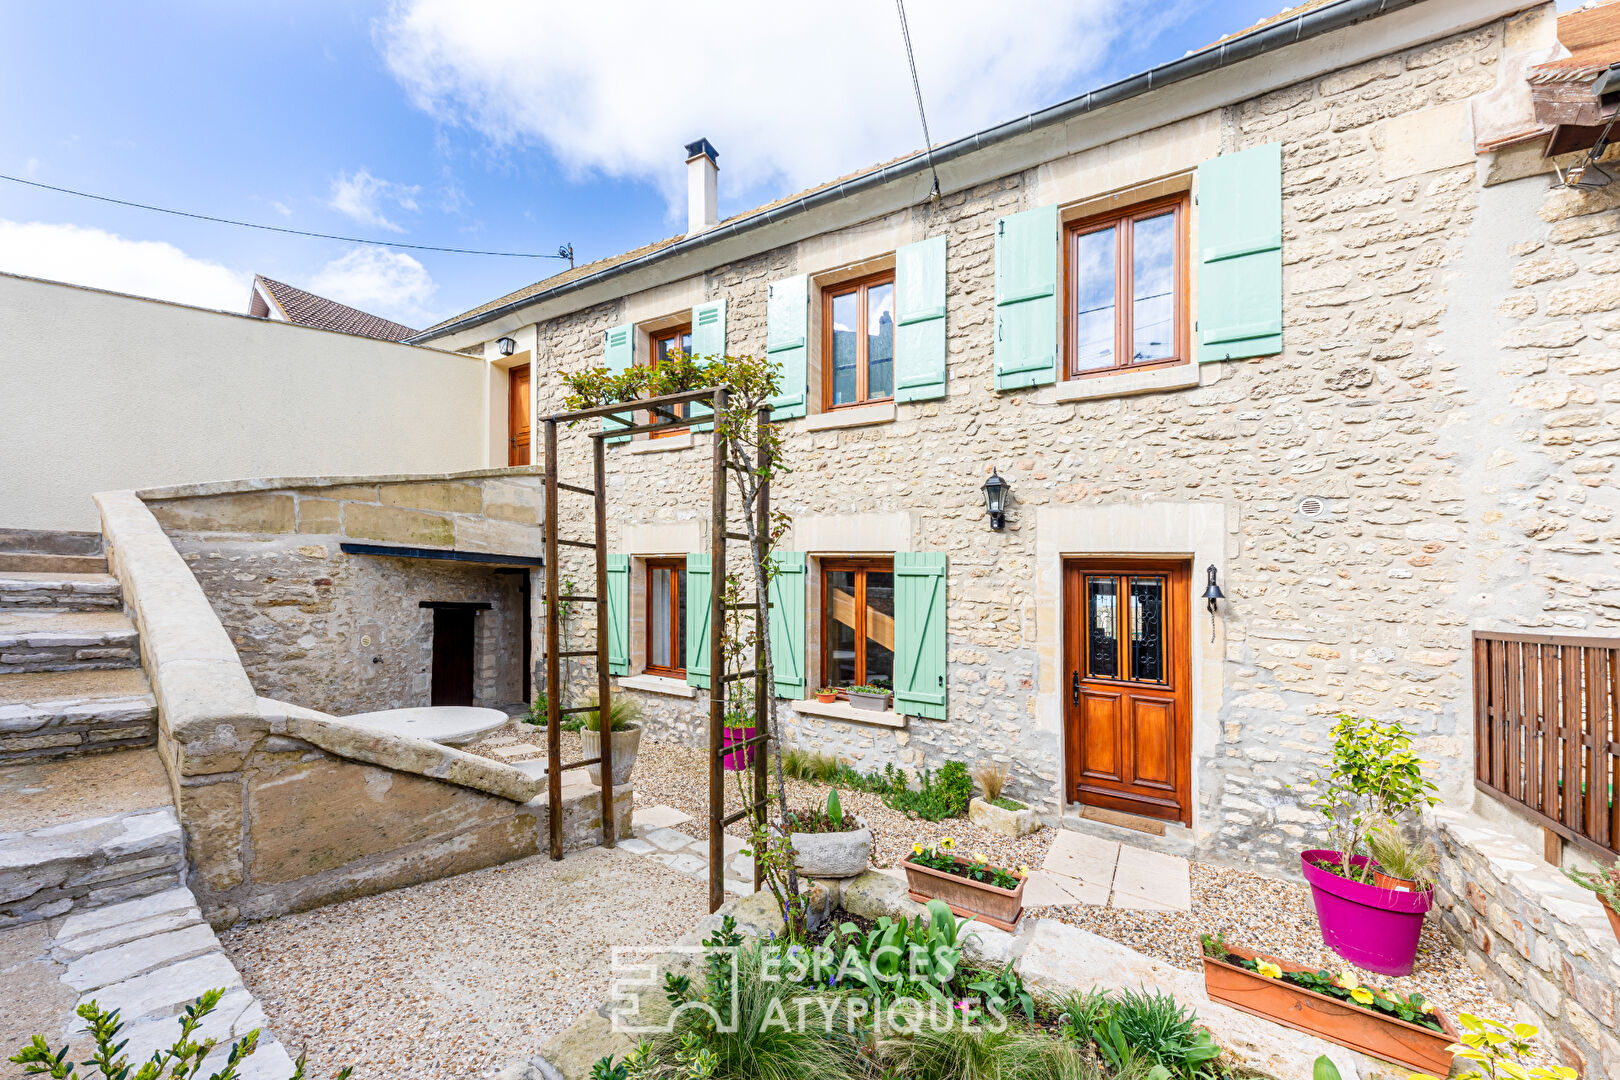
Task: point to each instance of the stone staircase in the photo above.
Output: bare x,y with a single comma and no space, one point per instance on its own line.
70,678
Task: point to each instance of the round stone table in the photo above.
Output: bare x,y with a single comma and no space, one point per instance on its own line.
452,725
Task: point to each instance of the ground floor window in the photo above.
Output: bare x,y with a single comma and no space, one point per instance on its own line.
666,617
857,622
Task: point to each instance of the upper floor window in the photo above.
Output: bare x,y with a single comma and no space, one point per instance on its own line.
858,341
1127,289
666,343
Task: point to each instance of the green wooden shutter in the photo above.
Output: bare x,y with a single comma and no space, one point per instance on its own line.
1240,254
787,336
620,354
708,341
919,633
1026,298
919,318
787,624
697,619
618,576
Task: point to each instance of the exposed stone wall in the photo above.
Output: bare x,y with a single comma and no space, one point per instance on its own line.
1540,939
345,633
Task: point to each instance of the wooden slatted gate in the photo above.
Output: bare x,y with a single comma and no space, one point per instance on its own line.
1547,732
665,417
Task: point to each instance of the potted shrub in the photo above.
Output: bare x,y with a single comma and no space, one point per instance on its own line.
1606,884
996,812
874,698
1405,1030
623,715
827,695
1400,863
1375,778
970,885
827,843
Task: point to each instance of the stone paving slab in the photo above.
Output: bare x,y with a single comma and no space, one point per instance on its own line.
164,991
691,865
669,840
1152,881
1083,858
133,958
659,817
1047,889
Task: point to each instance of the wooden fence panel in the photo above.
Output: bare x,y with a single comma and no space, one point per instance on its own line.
1547,731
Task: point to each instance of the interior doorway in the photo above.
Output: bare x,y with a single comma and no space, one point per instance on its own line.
1127,683
453,630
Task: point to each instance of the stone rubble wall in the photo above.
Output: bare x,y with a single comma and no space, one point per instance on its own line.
1370,407
1538,938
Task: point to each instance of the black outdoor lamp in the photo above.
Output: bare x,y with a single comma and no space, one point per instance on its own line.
995,500
508,346
1212,593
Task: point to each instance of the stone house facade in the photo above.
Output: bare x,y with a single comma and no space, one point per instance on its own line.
1376,405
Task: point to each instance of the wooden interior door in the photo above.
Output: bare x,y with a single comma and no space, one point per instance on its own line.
519,411
1127,676
453,655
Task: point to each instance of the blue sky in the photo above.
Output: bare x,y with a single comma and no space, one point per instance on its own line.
514,126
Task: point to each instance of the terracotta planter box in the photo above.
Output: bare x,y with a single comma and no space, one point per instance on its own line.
1614,917
1001,908
1376,1034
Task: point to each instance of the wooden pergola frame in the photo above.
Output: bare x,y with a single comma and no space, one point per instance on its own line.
665,417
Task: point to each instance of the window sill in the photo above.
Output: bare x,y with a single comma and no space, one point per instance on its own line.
1122,384
683,441
843,710
881,413
657,684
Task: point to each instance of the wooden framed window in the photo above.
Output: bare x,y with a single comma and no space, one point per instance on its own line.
666,617
1126,286
857,341
665,343
857,622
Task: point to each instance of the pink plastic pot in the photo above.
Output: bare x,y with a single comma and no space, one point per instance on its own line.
737,760
1373,928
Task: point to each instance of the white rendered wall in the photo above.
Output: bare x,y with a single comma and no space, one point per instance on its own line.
102,392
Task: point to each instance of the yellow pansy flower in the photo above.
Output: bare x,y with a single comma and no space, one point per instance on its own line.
916,849
1362,995
1427,1007
947,843
980,857
1023,870
1268,969
1347,980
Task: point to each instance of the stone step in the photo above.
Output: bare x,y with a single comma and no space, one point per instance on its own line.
66,641
60,592
60,714
81,865
40,562
50,542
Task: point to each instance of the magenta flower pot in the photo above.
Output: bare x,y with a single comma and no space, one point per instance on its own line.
737,760
1373,928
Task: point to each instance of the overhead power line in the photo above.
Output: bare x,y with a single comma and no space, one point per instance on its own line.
928,143
564,252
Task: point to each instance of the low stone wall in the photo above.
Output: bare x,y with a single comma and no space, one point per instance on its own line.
1542,940
285,808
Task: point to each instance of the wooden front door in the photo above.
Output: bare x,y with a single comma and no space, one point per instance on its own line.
518,411
453,655
1127,675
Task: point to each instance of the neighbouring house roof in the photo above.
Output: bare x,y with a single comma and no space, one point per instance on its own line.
1561,89
277,299
1592,36
1299,23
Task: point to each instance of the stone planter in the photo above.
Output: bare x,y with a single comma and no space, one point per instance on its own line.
1001,908
1374,1033
988,815
834,854
625,745
869,702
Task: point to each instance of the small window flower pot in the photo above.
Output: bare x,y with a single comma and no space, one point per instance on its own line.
1367,1031
826,697
1374,928
1001,908
870,702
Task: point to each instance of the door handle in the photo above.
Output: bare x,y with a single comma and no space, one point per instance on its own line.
1074,687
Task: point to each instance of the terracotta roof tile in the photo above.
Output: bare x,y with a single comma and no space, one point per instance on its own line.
1592,36
306,309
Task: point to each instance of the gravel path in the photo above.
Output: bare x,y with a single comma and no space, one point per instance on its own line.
456,978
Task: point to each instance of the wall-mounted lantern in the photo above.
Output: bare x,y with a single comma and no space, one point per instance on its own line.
508,346
995,499
1212,593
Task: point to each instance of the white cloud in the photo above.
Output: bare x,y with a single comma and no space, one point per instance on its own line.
387,283
362,197
105,260
789,97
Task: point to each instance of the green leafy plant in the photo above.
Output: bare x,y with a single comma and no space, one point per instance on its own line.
1399,856
181,1061
905,957
1324,1069
1604,882
1499,1051
1138,1029
964,1053
622,714
875,690
940,856
1003,990
991,776
605,1069
1374,777
936,798
537,711
808,765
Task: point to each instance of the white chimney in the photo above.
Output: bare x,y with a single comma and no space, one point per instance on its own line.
702,179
